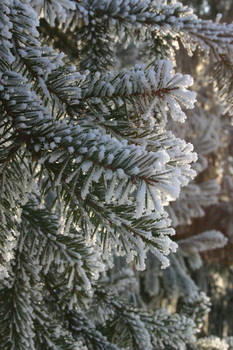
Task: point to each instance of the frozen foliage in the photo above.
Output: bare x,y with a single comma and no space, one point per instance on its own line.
203,129
158,87
153,17
203,241
212,342
149,177
15,186
80,346
177,278
176,282
87,168
196,307
177,333
221,75
192,201
159,329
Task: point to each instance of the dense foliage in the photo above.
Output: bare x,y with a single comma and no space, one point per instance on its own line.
108,153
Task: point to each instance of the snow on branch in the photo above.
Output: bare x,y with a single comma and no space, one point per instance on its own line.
138,13
146,16
16,304
76,260
50,140
192,201
6,56
159,87
82,327
222,76
212,342
208,240
38,60
15,185
176,19
153,333
54,9
132,237
210,36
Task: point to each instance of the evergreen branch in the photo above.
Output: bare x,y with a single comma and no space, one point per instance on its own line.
177,276
138,13
55,10
64,84
115,226
126,326
79,326
93,338
96,47
212,342
48,331
17,328
156,83
211,36
204,241
91,149
158,86
39,61
175,19
6,56
192,201
181,329
87,166
24,316
141,327
6,157
76,260
14,184
195,307
222,75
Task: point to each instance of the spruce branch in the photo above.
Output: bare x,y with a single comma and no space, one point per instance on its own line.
77,323
222,75
157,87
17,328
14,185
174,19
76,260
90,149
135,327
111,226
88,165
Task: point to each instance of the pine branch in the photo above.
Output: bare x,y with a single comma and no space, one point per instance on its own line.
77,263
112,226
195,307
193,199
14,184
17,328
87,166
222,76
175,19
156,87
95,152
136,14
6,56
78,325
135,328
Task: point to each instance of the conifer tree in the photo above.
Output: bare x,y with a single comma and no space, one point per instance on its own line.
88,166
